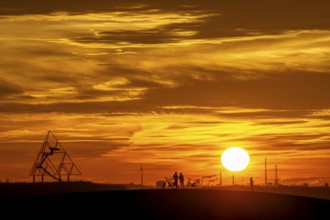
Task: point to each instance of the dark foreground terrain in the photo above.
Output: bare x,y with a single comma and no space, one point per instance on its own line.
166,204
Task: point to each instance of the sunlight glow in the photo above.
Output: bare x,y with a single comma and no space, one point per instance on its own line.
235,159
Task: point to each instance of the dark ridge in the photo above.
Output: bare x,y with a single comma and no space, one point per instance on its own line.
171,204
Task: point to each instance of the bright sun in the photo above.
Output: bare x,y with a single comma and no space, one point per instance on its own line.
235,159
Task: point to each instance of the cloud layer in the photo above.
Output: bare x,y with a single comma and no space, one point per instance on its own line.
166,84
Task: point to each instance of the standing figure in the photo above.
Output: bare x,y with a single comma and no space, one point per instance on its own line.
251,183
181,178
175,179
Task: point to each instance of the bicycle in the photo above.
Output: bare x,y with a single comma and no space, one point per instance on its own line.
193,183
169,182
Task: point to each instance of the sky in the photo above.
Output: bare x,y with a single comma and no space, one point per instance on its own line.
166,84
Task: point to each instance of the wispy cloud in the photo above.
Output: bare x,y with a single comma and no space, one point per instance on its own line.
167,84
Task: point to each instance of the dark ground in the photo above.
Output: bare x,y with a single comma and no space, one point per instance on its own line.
161,204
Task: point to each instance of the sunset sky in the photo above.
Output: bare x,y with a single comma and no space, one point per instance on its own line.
169,84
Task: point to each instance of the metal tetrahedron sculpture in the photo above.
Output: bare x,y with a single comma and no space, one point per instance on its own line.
53,161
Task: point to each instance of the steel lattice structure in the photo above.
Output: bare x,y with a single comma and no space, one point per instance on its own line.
53,161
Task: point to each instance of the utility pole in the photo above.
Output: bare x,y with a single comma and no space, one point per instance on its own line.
265,171
141,169
276,180
233,180
220,179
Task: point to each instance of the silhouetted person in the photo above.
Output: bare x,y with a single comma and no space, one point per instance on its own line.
181,178
251,183
175,179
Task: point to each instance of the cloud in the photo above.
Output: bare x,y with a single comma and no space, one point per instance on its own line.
275,91
296,90
155,36
165,83
285,122
9,89
240,60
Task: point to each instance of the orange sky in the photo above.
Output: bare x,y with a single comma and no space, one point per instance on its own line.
166,84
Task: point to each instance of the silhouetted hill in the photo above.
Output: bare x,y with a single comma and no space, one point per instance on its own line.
30,189
315,192
171,204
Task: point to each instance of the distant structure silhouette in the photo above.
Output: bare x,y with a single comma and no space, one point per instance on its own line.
141,170
276,179
181,178
207,177
175,179
251,183
53,161
220,179
265,171
211,180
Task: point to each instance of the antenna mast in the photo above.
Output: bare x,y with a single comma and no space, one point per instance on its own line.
265,171
220,178
141,169
276,180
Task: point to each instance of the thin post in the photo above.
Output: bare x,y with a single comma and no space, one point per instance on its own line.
220,179
141,169
265,171
276,180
